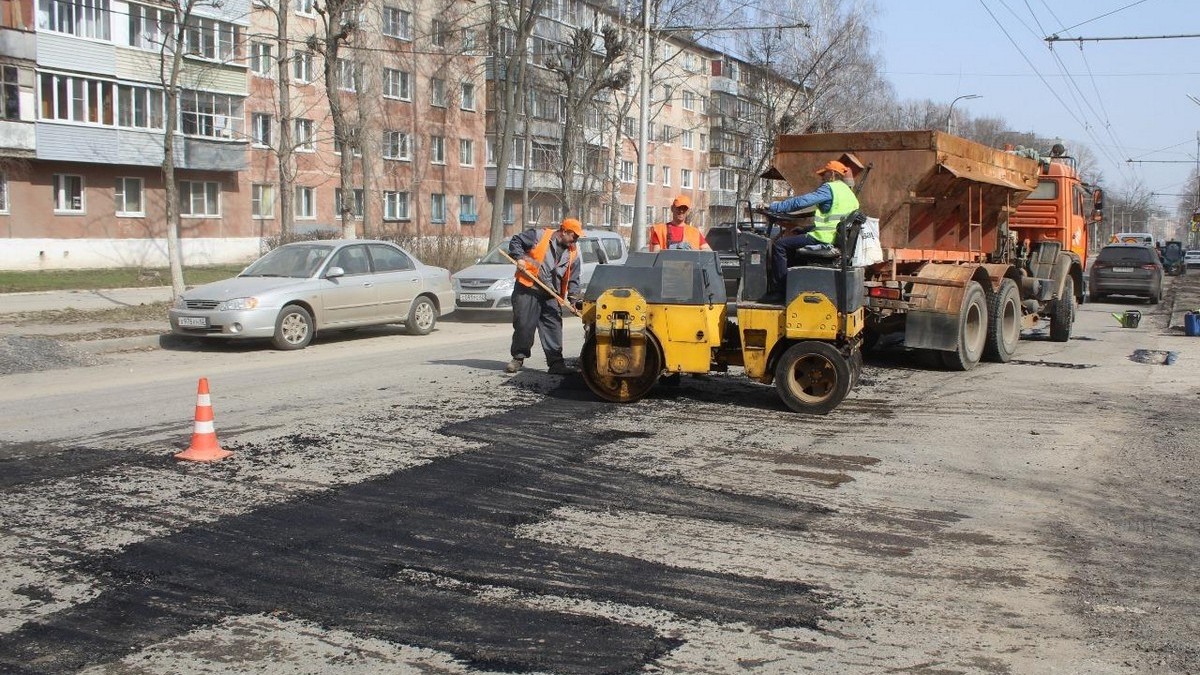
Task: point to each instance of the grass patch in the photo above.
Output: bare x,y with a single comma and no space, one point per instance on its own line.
153,311
121,277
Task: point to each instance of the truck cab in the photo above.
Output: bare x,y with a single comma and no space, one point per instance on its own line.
1059,209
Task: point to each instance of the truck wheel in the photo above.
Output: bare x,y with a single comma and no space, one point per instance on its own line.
422,317
293,328
972,330
812,377
620,389
1004,323
1064,313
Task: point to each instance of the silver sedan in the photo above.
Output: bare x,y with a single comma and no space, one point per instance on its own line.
299,289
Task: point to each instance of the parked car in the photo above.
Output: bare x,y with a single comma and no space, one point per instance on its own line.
488,284
298,290
1126,269
1192,258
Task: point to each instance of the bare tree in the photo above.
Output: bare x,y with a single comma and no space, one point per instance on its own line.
341,21
286,148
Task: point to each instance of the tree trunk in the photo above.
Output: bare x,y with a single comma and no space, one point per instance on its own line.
285,152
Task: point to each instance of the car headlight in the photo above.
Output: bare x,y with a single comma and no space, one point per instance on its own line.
504,284
238,303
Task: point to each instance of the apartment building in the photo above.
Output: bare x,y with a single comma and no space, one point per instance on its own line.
84,116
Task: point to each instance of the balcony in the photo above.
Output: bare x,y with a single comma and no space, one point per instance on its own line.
717,198
107,145
18,138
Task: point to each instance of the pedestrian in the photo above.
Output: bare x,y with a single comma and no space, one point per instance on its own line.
834,200
549,255
677,233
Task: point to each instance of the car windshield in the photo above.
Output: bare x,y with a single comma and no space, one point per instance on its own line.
1126,254
300,261
494,257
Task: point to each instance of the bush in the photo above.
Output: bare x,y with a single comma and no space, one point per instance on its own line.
452,251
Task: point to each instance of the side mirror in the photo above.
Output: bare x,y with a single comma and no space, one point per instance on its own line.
1098,199
334,272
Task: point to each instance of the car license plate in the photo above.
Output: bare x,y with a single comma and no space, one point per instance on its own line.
193,322
1122,270
472,297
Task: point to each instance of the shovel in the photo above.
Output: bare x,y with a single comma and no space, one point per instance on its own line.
561,300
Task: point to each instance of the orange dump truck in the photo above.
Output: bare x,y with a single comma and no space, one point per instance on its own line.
978,243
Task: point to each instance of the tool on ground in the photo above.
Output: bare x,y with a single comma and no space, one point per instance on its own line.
561,300
204,447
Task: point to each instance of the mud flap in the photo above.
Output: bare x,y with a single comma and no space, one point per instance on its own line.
925,329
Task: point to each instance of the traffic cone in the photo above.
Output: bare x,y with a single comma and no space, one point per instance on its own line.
204,446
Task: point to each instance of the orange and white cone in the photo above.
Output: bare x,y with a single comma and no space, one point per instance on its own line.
204,447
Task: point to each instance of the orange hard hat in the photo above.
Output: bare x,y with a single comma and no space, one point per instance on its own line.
572,225
682,200
834,166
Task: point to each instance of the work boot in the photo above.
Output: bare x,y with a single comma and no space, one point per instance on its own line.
560,368
514,365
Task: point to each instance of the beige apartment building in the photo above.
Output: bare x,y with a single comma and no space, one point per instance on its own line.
83,121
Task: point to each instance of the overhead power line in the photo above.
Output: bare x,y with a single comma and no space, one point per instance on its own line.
1056,38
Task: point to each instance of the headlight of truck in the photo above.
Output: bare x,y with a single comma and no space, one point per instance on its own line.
504,284
237,303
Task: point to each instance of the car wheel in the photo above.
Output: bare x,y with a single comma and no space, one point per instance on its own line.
293,328
422,317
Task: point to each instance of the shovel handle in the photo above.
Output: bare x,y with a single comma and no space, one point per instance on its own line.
561,300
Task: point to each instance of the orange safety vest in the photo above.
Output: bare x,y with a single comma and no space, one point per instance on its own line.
691,236
538,253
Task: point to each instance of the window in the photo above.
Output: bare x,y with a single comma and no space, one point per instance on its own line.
356,209
352,260
260,58
349,75
543,156
395,145
10,88
395,206
262,200
199,198
128,197
437,208
337,147
304,7
3,193
68,193
304,135
468,39
149,26
211,115
437,149
627,174
437,92
139,107
210,39
389,258
76,99
437,33
689,100
82,18
508,213
631,127
466,152
667,176
687,139
627,214
649,173
727,180
397,23
466,209
260,129
685,178
396,84
467,96
301,65
306,203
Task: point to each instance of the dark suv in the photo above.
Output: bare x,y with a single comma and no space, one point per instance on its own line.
1126,269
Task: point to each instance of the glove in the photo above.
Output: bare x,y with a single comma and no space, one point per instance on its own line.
576,302
762,208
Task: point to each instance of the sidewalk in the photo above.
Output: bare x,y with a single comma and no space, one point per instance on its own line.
88,337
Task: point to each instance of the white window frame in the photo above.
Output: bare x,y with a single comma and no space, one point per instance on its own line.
401,141
302,66
303,131
210,39
627,171
260,129
397,23
466,91
356,211
306,203
64,201
261,61
687,139
81,18
396,205
305,7
212,115
208,189
466,152
437,208
349,75
466,208
257,192
437,149
437,92
149,26
689,99
666,172
121,197
400,81
685,179
4,193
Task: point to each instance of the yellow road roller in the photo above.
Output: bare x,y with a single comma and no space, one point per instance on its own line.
670,312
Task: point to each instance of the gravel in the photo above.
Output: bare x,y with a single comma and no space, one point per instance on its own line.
30,354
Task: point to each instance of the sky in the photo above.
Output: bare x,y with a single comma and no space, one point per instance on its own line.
1123,99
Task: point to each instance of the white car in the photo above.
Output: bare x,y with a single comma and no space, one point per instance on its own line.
1192,258
488,284
299,289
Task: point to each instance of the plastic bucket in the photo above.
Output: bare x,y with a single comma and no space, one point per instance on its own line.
1191,324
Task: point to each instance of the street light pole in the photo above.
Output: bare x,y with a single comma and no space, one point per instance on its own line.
637,239
950,114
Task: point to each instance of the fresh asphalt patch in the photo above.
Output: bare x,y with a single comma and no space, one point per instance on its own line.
356,558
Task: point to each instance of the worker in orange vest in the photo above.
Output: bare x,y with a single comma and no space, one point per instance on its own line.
677,233
549,255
